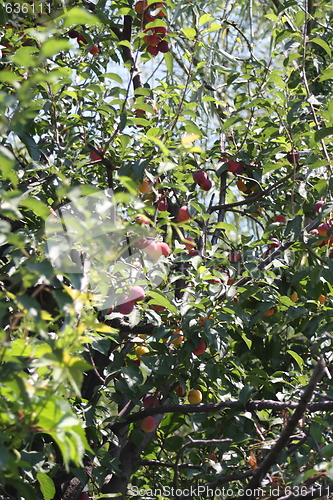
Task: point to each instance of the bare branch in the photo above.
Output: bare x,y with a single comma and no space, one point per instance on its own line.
189,409
223,189
255,197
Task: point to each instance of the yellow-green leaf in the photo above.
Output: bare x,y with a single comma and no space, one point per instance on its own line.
188,139
190,33
322,44
296,357
46,485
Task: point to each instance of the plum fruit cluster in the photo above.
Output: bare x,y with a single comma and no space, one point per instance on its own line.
81,40
154,36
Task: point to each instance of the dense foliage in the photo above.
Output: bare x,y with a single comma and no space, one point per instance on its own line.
212,126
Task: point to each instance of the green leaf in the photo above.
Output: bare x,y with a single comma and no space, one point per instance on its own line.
36,206
137,437
133,376
125,43
245,394
46,485
326,75
32,147
25,57
173,443
190,33
204,19
3,457
322,44
322,133
327,451
247,341
160,145
294,227
112,76
3,16
138,167
142,91
129,184
273,17
271,166
192,128
165,166
8,77
213,27
230,121
228,56
286,301
297,358
7,164
226,226
56,419
77,16
75,374
160,300
54,46
168,57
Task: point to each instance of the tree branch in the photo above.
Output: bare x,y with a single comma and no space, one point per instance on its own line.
158,463
271,458
272,256
189,409
223,189
307,88
255,197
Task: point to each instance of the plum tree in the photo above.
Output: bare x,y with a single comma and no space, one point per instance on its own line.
166,173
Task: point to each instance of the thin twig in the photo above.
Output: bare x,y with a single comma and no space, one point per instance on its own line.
187,409
306,85
255,197
264,263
